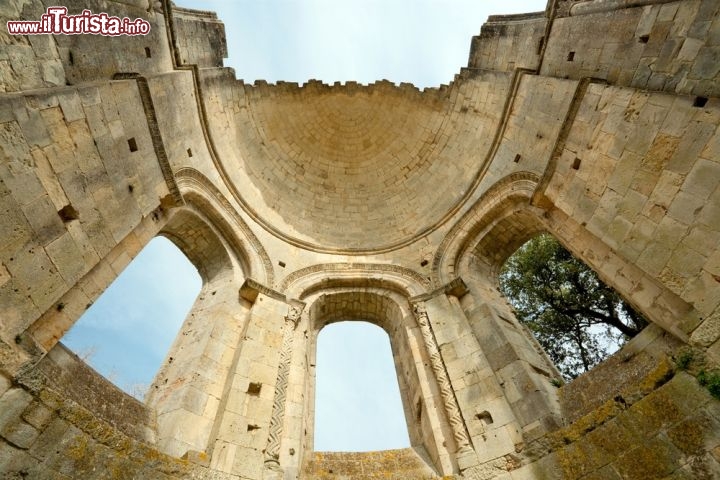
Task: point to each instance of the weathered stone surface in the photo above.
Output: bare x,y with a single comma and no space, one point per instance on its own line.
596,121
394,464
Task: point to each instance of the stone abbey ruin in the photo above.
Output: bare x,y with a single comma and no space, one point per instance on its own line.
595,121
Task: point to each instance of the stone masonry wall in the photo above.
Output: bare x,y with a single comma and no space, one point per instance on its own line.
75,181
595,120
199,38
669,46
661,424
47,435
509,42
646,185
46,61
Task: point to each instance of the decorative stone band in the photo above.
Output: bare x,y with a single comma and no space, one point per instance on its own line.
272,450
459,430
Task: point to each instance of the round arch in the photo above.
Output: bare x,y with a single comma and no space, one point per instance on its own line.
385,303
202,245
504,218
304,282
507,195
200,193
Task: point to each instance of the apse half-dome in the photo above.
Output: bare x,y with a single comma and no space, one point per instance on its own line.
351,168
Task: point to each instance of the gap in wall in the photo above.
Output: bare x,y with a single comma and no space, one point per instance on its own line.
357,399
127,332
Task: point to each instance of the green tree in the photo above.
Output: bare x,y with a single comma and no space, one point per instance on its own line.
573,314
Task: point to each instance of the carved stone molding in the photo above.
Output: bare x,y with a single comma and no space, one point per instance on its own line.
454,415
409,276
187,177
272,450
467,229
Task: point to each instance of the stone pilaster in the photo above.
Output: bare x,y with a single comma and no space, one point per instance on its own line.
272,451
454,415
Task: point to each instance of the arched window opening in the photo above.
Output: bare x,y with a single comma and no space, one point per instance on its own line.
357,398
127,332
577,318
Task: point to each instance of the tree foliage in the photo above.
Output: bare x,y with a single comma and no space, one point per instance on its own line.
577,319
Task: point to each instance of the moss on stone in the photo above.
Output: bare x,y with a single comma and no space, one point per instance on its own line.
654,459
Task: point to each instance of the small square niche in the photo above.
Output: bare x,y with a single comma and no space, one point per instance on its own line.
254,388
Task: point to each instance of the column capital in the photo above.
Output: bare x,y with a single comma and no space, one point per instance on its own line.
295,309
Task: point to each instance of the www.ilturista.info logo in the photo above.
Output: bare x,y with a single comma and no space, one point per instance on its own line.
57,21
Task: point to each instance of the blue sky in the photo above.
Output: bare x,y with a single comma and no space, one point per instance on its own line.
425,42
358,406
127,332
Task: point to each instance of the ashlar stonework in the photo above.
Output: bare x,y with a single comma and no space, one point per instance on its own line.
301,205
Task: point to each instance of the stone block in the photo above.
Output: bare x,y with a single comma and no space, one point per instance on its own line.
703,179
14,461
708,332
37,415
696,434
614,438
42,215
53,72
67,257
194,400
248,463
223,456
656,458
71,106
12,404
579,459
46,446
22,61
5,384
19,433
